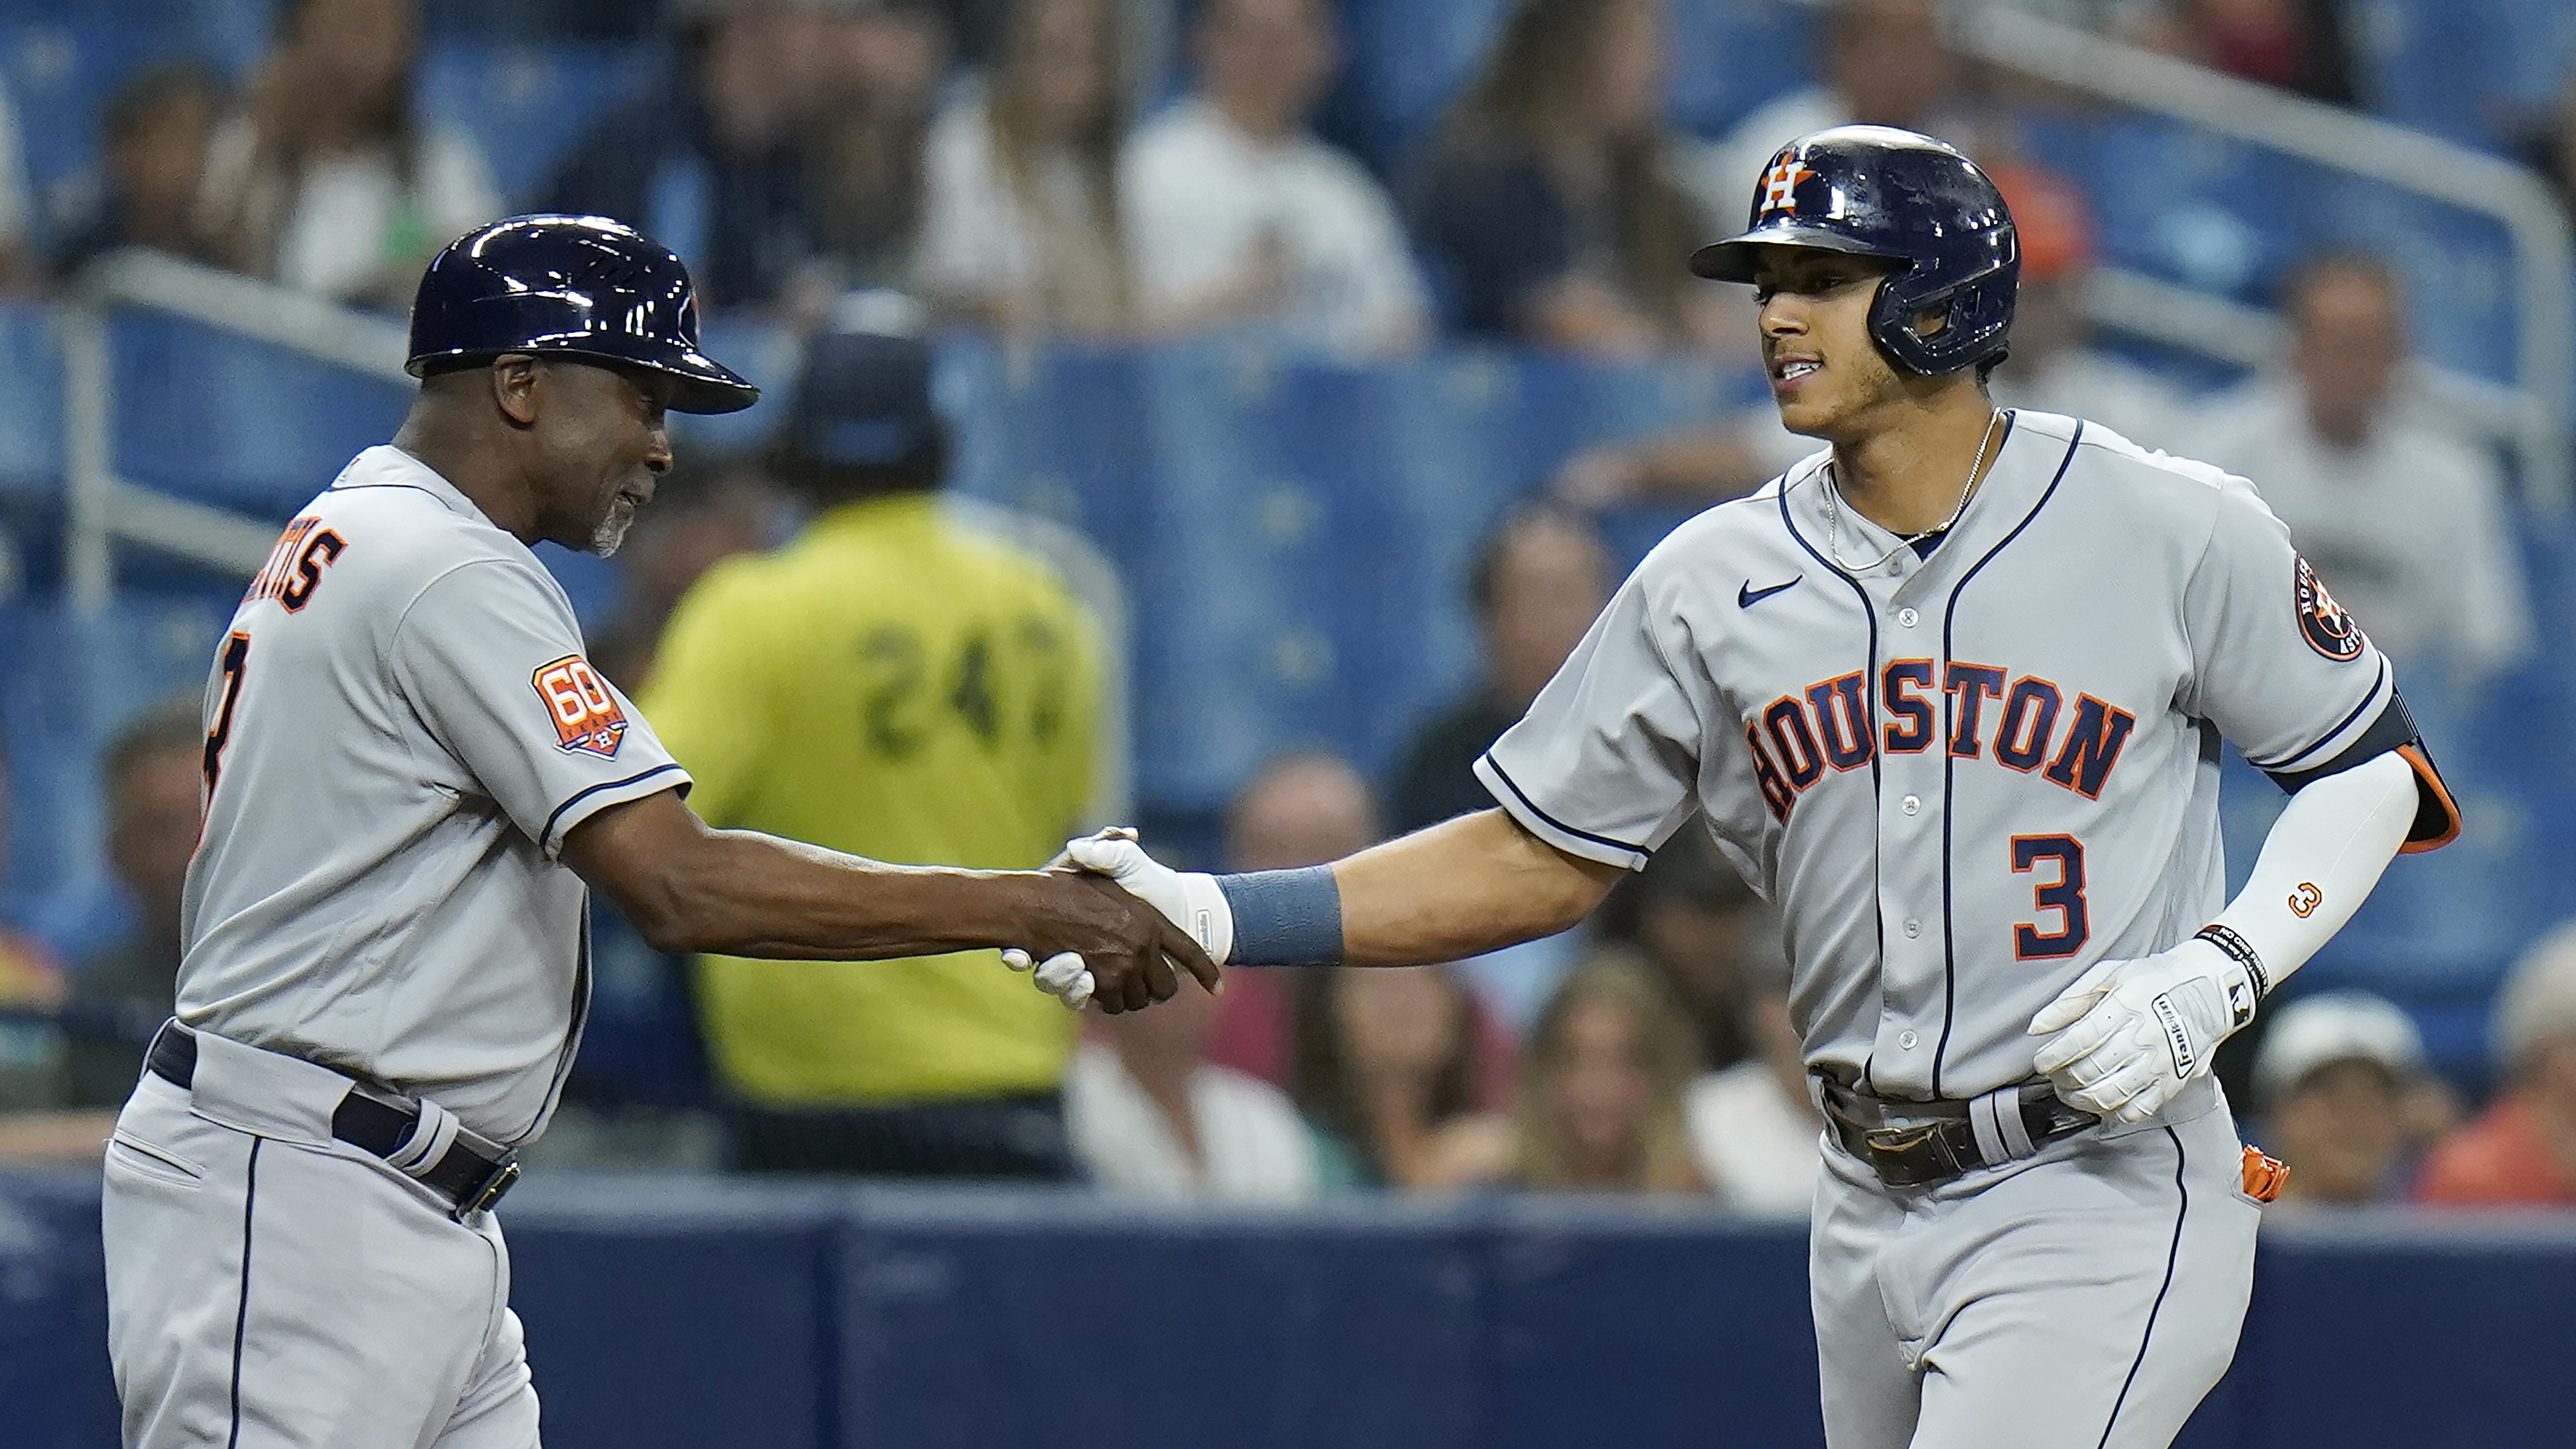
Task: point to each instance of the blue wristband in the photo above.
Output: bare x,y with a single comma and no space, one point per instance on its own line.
1285,917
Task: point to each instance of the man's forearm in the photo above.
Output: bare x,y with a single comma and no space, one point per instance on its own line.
1461,888
759,895
689,887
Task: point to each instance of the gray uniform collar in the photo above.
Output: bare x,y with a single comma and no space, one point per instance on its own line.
2028,463
386,466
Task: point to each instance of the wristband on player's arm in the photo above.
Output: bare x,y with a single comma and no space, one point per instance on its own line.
1285,917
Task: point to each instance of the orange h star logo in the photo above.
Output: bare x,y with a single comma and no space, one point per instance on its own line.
1780,185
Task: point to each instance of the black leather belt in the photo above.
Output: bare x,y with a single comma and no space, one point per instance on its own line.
470,1178
1925,1144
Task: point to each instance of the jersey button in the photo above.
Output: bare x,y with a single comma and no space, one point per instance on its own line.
1906,1039
1912,804
1907,617
1913,927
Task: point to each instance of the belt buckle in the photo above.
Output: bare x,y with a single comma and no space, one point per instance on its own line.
1892,1147
495,1185
1902,1139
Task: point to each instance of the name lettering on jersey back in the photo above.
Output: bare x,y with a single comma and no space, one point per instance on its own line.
295,564
587,717
2025,724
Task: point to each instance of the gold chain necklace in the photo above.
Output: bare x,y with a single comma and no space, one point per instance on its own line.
1834,515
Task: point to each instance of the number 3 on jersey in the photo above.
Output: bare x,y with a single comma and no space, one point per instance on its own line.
2064,895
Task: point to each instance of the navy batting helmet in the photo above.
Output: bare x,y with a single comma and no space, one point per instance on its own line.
585,285
1877,191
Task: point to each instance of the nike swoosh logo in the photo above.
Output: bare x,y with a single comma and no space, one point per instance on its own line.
1748,596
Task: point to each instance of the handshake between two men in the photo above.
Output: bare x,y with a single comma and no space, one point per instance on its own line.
1189,901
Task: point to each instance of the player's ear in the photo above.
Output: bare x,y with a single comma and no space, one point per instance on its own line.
515,378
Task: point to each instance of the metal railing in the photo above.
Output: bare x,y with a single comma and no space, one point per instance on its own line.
2530,415
105,510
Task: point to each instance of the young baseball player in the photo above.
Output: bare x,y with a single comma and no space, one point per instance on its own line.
1950,693
411,773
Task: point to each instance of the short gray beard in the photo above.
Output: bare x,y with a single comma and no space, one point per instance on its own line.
610,532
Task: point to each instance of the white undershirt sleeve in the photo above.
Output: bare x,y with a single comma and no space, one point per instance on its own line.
2321,859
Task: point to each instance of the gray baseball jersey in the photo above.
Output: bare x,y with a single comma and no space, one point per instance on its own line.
1963,777
401,728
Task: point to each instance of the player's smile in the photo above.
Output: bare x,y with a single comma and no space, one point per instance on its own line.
1789,369
1815,307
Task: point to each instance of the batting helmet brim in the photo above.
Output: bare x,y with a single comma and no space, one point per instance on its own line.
1732,259
704,385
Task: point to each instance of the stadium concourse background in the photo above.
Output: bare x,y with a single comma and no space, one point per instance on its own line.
1293,536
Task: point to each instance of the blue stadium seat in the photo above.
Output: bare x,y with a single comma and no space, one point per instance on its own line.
233,34
1263,531
1408,59
2438,66
214,417
761,351
31,378
1730,57
2529,45
67,684
1059,433
528,104
59,69
2176,202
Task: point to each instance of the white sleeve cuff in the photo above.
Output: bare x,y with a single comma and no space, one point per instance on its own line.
586,803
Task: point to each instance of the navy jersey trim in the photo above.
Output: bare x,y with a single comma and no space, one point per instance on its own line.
2395,726
1950,762
414,487
636,779
1533,807
581,991
2291,760
241,1311
2437,815
1869,615
2173,1254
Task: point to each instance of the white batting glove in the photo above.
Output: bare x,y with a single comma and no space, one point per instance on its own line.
2128,1034
1188,899
1063,976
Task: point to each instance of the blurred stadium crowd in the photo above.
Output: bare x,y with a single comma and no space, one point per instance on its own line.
1356,183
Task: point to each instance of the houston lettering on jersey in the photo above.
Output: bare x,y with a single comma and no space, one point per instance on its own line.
295,564
586,715
2025,724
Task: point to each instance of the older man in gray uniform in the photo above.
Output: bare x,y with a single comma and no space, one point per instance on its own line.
386,956
1950,694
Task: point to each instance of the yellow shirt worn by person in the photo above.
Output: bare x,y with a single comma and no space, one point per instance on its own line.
897,685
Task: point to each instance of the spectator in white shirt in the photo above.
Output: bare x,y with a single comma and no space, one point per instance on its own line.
1754,1130
1150,1117
2403,517
1238,216
324,182
1021,226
